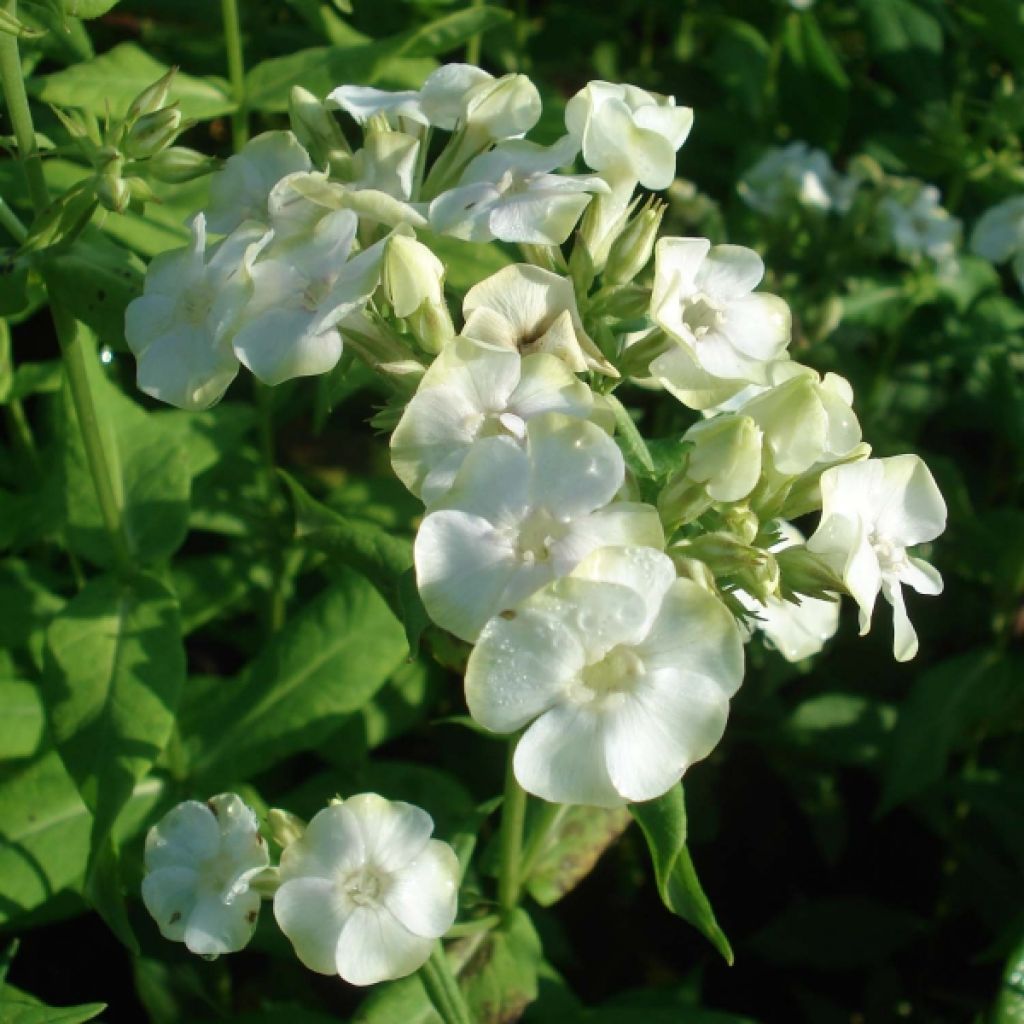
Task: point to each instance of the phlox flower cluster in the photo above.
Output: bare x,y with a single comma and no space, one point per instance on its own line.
604,599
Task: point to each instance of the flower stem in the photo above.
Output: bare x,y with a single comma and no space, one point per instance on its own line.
11,223
67,329
236,72
443,989
275,594
513,816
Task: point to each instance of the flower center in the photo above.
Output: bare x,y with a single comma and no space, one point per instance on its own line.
315,292
538,533
363,887
891,557
616,672
196,304
702,315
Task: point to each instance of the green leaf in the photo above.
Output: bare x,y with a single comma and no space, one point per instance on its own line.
88,8
113,675
27,602
810,68
572,848
908,43
326,662
22,725
111,81
390,61
634,448
20,1008
663,822
150,466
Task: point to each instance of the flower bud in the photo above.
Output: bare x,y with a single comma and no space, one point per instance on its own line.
411,275
152,133
179,164
316,128
112,190
152,98
631,251
139,190
284,826
726,456
803,572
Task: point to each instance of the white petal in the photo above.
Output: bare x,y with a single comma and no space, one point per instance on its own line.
312,913
363,101
187,835
798,631
548,385
375,947
913,510
560,758
759,325
216,926
331,845
424,894
443,96
621,524
730,272
538,218
494,482
904,637
678,372
169,894
186,368
924,578
394,833
283,344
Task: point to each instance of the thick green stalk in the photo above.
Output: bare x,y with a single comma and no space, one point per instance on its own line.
443,989
12,225
513,816
65,325
236,72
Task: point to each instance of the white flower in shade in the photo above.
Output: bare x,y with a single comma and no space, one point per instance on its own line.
301,290
386,163
239,191
871,513
179,329
628,133
806,419
918,225
511,194
200,859
621,674
726,334
520,516
474,390
529,309
365,892
796,631
999,235
795,175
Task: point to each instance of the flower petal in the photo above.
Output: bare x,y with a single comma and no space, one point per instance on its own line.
312,913
170,893
394,833
218,926
331,845
424,894
187,835
375,947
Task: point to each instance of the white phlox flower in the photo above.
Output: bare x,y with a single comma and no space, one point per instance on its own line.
520,516
511,194
796,631
239,191
301,290
918,225
366,892
621,674
628,133
726,456
806,419
180,328
795,175
200,859
386,163
726,334
474,390
999,235
871,513
529,309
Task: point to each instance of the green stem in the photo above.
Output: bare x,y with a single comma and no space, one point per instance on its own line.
68,335
236,72
513,816
443,989
10,221
473,46
549,818
272,494
21,433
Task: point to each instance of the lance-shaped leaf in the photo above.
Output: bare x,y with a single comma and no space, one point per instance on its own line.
663,822
114,668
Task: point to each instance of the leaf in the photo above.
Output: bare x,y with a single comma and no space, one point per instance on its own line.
150,466
22,725
813,87
572,848
634,448
844,727
19,1008
111,81
326,662
113,674
907,41
208,585
1009,1007
386,61
27,602
663,822
88,8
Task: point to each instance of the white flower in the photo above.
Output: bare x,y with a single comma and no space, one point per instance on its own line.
726,335
795,174
239,191
518,517
624,671
529,309
180,327
628,133
475,390
200,859
365,892
796,631
301,290
386,163
871,513
999,235
509,193
726,456
918,225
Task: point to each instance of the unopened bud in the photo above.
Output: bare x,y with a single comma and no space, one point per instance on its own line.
803,572
140,190
411,275
178,164
152,98
152,133
503,107
315,127
631,251
112,190
285,827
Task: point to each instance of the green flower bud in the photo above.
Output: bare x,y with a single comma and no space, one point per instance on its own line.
284,826
152,98
631,251
112,190
152,133
803,572
179,164
316,128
